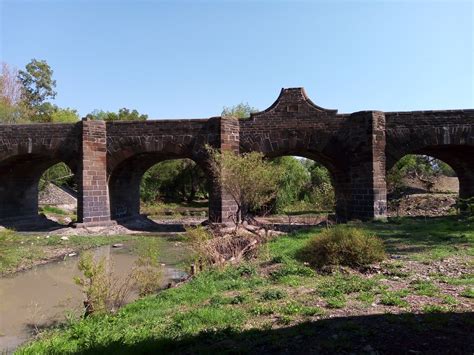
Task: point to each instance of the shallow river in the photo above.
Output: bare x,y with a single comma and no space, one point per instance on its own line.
44,295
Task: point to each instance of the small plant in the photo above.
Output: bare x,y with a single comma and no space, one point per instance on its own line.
435,308
468,292
295,308
450,300
338,301
424,288
147,272
263,310
366,297
394,298
53,210
272,294
239,299
342,245
203,253
103,292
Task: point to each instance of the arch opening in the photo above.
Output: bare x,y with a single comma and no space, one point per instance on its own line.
422,185
58,192
159,189
21,180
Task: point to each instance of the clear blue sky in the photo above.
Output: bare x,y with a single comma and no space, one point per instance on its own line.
180,59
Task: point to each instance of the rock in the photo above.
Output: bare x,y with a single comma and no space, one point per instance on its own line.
64,238
72,254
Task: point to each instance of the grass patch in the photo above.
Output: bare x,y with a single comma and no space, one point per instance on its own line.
468,292
395,298
424,288
53,210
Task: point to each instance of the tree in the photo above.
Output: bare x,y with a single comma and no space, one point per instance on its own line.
38,84
10,96
248,178
10,86
174,180
239,111
124,114
294,178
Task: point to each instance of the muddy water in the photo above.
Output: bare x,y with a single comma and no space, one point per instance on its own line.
45,295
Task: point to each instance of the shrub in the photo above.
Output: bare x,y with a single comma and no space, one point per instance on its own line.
104,293
342,245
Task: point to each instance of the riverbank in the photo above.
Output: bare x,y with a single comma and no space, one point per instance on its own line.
420,299
19,252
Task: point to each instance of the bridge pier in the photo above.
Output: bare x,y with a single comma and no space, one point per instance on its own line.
93,208
368,189
222,207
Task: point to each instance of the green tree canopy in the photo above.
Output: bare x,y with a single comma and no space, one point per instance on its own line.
38,83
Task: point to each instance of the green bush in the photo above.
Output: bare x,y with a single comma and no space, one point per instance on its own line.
343,245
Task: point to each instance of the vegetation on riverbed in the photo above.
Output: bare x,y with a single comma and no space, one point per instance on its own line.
276,302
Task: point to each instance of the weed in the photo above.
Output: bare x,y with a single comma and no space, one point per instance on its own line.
103,292
342,285
239,299
52,210
450,300
263,310
147,273
435,308
394,298
338,301
272,294
424,288
468,292
285,320
366,297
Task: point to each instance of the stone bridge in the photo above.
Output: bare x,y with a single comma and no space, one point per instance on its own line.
110,158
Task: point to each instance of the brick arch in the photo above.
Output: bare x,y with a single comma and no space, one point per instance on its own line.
19,183
459,157
124,181
409,132
26,152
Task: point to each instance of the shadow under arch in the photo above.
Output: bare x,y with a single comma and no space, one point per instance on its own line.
19,187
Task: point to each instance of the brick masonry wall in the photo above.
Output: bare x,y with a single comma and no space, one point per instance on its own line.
222,207
93,199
